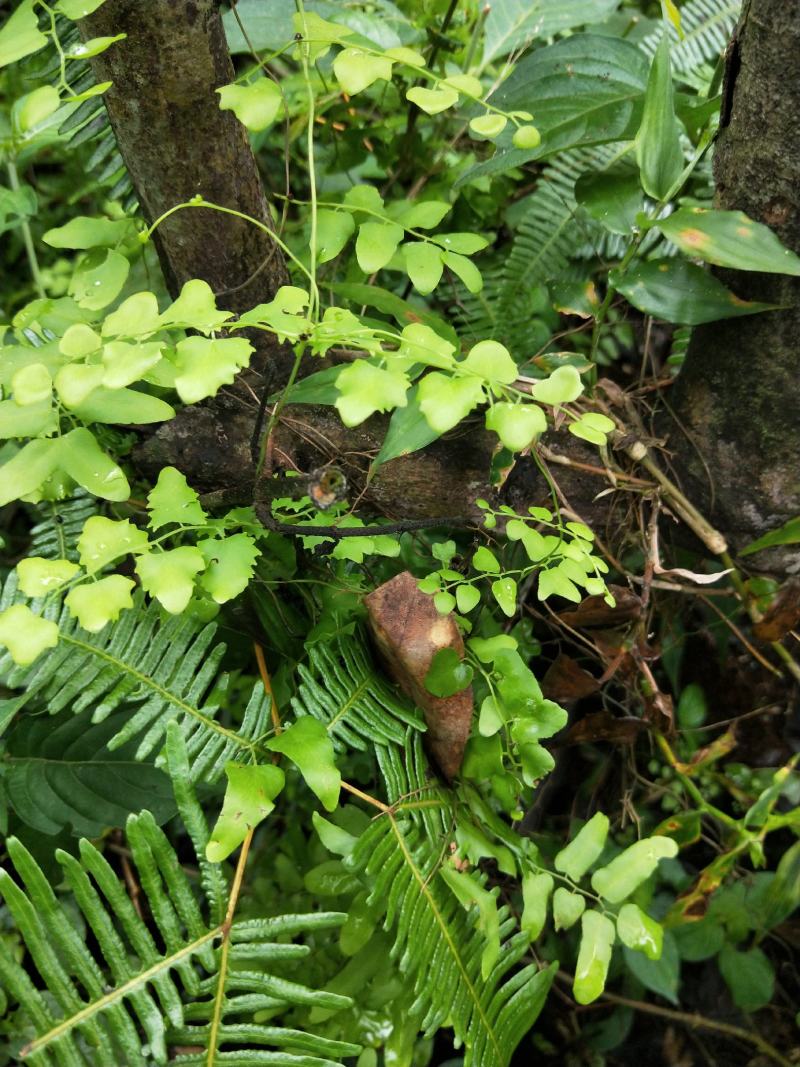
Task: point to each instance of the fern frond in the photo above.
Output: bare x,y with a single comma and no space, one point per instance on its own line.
157,669
56,534
131,995
342,688
436,945
707,27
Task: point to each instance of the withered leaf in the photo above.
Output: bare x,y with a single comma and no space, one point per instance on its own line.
783,614
408,632
603,726
566,681
593,611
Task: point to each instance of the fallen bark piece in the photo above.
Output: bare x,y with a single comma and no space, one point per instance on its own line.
408,632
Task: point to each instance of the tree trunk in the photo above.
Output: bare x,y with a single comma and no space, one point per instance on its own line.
177,143
737,394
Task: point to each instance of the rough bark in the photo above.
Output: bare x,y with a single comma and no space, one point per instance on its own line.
737,394
177,143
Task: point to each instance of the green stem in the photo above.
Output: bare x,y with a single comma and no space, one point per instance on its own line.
27,237
312,174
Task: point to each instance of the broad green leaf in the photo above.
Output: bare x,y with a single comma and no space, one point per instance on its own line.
77,9
678,291
464,269
561,387
421,344
419,215
36,107
592,427
318,33
27,420
485,560
85,462
448,674
445,401
594,956
468,892
553,582
135,317
356,70
578,856
169,576
504,590
639,932
467,597
465,83
491,361
788,534
196,308
432,101
546,719
32,384
491,718
206,364
465,243
483,758
334,230
376,244
25,634
424,264
126,363
99,278
173,500
256,106
102,541
728,239
365,389
408,431
307,744
249,798
333,837
37,576
536,890
76,381
79,340
126,406
513,24
444,602
612,197
229,565
662,975
95,604
536,762
658,143
517,425
21,36
627,871
86,232
488,126
567,908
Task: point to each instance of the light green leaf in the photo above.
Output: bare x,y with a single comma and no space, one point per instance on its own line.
334,229
465,83
36,107
318,33
467,891
488,126
27,420
553,582
504,590
447,674
95,604
536,762
485,560
196,308
788,534
365,389
135,317
123,406
592,427
728,239
421,344
423,264
85,232
632,867
376,244
173,500
419,215
356,70
446,401
77,9
25,634
536,890
21,36
102,541
517,425
465,243
249,798
491,361
578,856
126,363
32,384
307,744
24,473
93,47
658,143
76,381
562,387
444,602
256,106
567,908
37,576
467,597
639,932
169,576
98,279
86,463
229,565
464,269
526,137
78,341
432,101
594,956
206,364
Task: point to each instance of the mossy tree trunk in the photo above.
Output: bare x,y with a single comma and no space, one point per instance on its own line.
738,394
